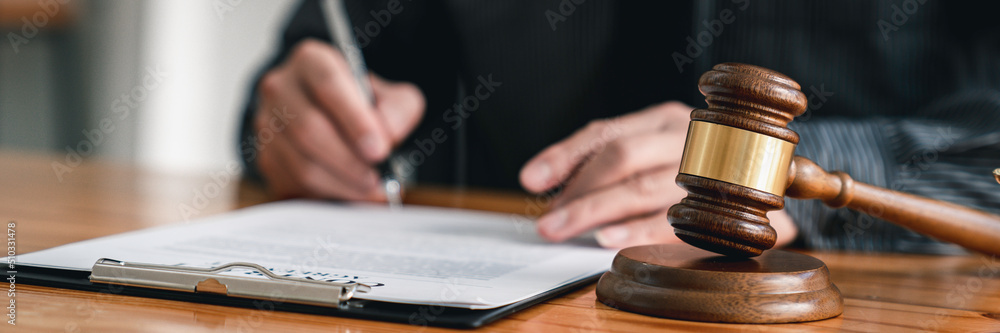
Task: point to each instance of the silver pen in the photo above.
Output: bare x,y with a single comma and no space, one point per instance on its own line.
342,36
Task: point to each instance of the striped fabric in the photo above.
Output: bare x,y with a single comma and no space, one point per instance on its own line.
903,94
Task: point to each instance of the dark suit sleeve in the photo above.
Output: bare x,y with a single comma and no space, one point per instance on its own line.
306,22
410,41
945,150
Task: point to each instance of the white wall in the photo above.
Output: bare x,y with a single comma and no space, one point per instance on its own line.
55,90
209,52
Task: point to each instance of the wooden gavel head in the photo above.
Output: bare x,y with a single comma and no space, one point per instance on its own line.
736,159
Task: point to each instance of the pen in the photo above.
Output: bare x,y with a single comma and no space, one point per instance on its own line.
343,38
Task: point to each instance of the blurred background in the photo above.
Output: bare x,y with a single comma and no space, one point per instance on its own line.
156,83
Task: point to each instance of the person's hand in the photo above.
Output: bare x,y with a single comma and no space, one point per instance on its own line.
318,137
618,176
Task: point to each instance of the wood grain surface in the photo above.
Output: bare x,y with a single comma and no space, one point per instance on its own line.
683,282
882,292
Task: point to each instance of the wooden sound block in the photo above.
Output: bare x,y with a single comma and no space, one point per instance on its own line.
683,282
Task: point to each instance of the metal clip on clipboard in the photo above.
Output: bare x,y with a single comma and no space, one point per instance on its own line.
207,280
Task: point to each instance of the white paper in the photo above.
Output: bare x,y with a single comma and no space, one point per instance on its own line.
418,255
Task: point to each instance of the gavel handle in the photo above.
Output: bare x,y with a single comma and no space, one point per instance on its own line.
973,229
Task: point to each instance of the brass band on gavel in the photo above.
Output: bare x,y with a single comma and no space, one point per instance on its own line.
737,156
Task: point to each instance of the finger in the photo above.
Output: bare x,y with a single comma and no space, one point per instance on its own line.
268,160
301,177
277,167
783,226
645,193
330,84
648,229
316,138
400,105
554,164
273,172
623,158
312,133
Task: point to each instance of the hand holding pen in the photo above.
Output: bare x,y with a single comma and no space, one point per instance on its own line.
318,136
343,37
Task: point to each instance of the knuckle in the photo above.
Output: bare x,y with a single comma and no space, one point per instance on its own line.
613,129
307,49
318,61
619,151
673,105
671,108
596,126
270,84
617,157
675,112
603,133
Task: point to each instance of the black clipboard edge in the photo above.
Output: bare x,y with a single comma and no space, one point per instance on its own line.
419,315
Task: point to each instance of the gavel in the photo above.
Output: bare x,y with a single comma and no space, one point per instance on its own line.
738,164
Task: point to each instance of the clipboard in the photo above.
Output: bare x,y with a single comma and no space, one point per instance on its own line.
351,307
154,258
209,280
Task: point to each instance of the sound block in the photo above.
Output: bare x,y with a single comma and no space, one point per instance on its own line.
683,282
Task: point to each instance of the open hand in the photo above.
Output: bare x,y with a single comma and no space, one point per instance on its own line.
618,176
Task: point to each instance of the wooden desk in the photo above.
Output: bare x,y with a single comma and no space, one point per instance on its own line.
884,292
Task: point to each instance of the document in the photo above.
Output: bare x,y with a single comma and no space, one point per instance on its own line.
415,255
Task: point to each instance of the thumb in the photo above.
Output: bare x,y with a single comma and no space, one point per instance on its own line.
556,163
400,105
